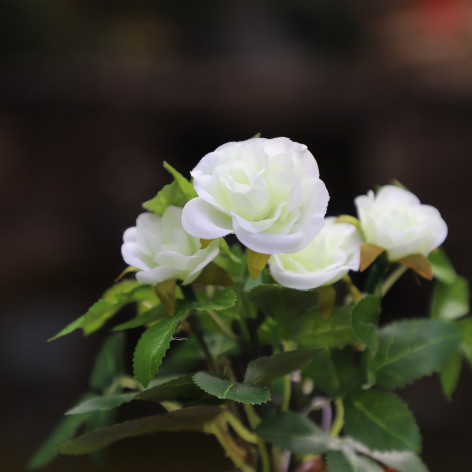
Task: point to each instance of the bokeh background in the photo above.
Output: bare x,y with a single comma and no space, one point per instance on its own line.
95,95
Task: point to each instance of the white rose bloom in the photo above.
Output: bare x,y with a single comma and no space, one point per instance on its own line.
266,191
160,248
395,220
327,259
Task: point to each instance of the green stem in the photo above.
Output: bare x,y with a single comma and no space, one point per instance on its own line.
252,416
198,333
222,325
338,422
287,385
376,274
254,420
231,451
353,290
194,324
264,455
392,278
240,429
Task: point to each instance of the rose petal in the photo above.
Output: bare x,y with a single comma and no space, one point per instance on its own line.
204,221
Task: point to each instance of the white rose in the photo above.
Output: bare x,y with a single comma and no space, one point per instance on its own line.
395,220
266,191
160,248
328,258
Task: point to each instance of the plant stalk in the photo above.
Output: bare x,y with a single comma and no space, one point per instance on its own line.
338,422
392,279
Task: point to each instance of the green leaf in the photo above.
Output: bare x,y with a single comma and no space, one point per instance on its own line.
185,185
451,300
105,403
213,274
294,432
466,329
365,315
226,389
412,349
155,313
264,370
182,389
199,419
65,430
109,362
349,461
120,294
152,347
222,300
312,330
442,267
381,421
182,358
405,461
278,301
96,420
169,195
299,319
449,374
177,193
333,372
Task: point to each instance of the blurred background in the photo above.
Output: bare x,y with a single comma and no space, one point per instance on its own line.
94,96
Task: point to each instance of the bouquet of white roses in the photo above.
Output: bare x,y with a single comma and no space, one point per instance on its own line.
281,355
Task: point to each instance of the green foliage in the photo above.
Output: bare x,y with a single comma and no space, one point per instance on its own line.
109,362
65,430
333,372
182,358
334,353
105,403
313,330
264,370
403,461
294,432
349,461
152,347
199,419
412,349
365,316
442,267
381,421
281,302
152,315
177,193
119,295
181,389
299,319
226,389
450,300
449,374
222,300
97,420
466,329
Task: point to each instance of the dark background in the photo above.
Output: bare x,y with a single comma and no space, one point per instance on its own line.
94,96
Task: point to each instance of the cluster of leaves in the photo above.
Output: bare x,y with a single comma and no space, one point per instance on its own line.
255,361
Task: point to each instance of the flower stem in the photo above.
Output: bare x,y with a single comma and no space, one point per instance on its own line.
232,451
254,420
377,271
338,422
353,290
241,429
392,278
198,333
194,324
222,325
